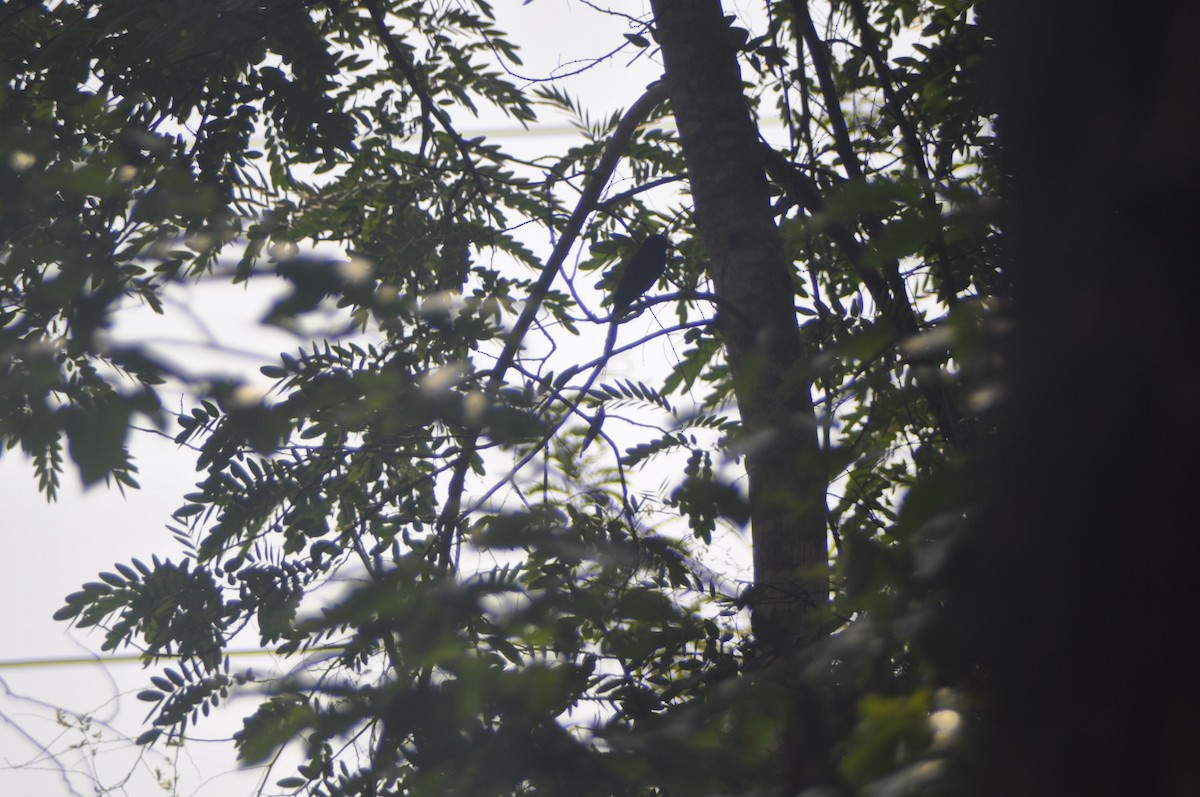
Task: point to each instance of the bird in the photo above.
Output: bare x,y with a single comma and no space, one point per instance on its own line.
640,273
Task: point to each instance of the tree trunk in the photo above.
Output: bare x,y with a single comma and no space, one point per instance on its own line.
757,319
1078,585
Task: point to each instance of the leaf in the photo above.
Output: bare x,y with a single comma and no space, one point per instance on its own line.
187,510
148,737
67,613
96,439
113,579
277,721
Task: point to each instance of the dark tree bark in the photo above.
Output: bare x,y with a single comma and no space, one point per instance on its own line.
1076,592
757,321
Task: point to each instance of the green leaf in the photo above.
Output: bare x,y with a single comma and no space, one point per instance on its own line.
96,439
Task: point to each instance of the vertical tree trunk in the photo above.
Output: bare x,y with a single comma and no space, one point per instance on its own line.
1078,585
757,320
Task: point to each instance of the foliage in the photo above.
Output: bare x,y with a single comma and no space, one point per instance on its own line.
557,632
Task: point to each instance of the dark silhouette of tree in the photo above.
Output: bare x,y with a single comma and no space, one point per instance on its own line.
1071,590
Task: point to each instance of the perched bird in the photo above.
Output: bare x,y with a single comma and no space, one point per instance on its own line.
641,272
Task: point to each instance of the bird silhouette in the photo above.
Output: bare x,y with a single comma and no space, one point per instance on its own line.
641,272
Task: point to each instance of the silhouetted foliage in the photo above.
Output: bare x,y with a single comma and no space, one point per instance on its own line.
481,607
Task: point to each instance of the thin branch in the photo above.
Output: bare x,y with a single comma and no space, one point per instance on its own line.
804,192
449,520
428,106
617,199
589,63
820,57
896,307
916,152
